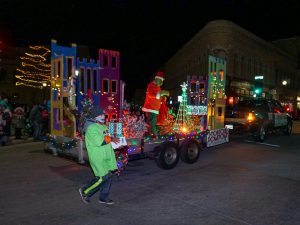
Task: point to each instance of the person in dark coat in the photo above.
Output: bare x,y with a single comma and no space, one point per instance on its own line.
5,119
35,118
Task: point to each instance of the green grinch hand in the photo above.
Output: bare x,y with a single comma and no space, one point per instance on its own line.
164,93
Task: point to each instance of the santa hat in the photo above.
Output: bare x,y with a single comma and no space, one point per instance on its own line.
160,75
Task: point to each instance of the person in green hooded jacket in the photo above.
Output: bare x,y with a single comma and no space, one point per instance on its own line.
101,158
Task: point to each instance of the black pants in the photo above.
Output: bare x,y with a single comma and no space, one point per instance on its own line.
18,133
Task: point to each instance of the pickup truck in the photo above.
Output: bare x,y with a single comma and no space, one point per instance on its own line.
258,117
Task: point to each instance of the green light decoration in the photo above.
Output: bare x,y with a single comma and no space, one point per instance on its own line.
67,145
183,120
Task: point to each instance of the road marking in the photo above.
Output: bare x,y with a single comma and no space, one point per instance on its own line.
262,143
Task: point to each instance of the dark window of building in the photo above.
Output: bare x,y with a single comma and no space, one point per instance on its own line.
193,100
105,85
202,100
70,67
220,111
58,69
255,67
215,69
193,87
249,68
65,101
298,60
105,61
114,86
260,68
235,66
88,79
113,62
82,80
95,80
201,88
242,66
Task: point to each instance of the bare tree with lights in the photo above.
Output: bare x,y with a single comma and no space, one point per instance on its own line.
35,68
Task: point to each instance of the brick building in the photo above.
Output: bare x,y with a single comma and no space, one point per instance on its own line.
247,56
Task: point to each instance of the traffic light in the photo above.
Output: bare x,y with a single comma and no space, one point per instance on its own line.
258,88
257,91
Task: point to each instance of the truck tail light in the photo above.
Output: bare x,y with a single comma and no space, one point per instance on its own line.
250,117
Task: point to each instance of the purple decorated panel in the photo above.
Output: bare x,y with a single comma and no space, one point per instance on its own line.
56,119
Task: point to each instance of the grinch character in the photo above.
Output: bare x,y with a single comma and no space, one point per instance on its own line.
153,101
101,158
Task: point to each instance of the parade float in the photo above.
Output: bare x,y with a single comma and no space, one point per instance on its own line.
77,85
198,123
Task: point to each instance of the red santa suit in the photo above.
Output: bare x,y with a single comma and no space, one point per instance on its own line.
152,101
163,112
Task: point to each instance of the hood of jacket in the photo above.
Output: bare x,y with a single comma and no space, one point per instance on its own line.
87,123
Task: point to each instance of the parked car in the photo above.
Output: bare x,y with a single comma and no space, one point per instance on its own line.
258,117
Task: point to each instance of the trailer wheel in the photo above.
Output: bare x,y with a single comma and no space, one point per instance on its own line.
190,151
168,155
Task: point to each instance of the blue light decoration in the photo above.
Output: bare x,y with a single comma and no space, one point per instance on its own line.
60,145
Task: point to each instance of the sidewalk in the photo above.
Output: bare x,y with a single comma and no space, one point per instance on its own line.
24,139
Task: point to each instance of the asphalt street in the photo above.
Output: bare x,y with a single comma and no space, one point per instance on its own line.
239,183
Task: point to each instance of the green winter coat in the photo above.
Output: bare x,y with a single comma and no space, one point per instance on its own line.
101,154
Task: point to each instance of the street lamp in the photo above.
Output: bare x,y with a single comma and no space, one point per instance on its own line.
284,82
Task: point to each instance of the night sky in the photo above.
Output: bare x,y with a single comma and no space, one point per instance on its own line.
146,33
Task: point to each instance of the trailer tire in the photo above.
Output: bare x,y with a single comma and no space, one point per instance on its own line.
168,155
190,151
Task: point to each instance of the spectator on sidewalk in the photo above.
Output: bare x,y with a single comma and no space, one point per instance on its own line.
35,118
18,121
45,120
5,120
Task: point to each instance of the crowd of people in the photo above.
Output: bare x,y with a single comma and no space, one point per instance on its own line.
22,121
